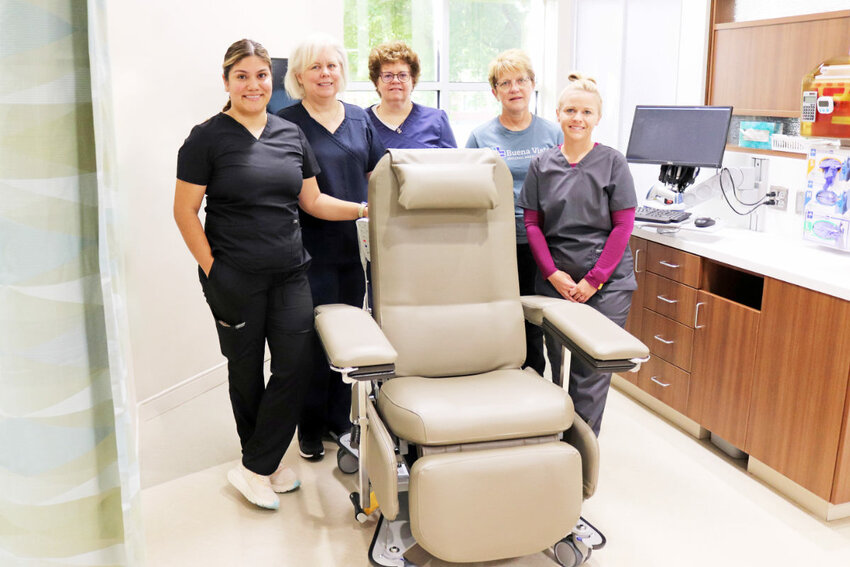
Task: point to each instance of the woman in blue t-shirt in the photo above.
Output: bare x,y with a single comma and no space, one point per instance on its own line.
347,149
255,170
518,135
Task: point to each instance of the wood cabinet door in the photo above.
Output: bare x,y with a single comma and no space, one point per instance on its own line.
669,298
633,322
799,411
665,382
673,264
667,339
724,351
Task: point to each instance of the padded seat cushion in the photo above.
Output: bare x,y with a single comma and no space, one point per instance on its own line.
497,405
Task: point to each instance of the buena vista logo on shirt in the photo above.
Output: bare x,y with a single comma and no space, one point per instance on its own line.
519,154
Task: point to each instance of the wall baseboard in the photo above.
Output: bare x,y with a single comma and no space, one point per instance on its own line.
182,392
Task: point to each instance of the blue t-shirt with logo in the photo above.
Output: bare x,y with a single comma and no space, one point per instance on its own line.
517,148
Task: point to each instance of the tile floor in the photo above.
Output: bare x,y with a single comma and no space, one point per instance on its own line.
665,499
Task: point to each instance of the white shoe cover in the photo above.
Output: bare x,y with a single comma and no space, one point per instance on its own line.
254,487
284,479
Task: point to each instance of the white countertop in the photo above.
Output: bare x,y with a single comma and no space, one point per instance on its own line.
776,255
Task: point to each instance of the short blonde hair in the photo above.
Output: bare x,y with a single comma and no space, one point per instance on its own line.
305,54
510,61
393,52
578,82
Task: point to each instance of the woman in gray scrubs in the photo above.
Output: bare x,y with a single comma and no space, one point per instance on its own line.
579,202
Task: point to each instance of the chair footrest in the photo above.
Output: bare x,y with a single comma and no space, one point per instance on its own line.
496,503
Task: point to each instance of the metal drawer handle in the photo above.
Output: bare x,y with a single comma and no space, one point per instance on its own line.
665,300
657,338
669,265
660,383
637,255
696,316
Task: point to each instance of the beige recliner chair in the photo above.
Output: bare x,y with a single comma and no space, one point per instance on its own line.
464,451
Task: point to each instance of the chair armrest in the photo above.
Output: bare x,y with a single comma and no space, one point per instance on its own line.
581,436
352,339
586,332
532,307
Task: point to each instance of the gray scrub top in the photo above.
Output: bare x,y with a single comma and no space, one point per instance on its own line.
576,203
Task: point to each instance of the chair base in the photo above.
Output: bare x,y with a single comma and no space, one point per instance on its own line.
392,539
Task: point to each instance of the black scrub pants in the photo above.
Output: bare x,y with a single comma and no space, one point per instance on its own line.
527,270
327,404
250,310
587,387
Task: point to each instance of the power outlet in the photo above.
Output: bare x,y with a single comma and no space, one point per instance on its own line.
781,197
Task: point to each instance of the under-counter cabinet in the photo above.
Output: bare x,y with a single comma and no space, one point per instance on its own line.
760,363
799,416
668,296
726,331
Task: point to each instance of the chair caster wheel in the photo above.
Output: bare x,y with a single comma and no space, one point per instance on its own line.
346,462
570,552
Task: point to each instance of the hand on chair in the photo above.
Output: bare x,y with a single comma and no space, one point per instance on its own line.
563,283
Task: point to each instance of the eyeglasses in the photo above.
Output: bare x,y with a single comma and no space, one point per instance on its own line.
388,77
521,82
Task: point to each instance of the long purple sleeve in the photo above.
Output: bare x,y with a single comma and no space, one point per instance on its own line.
623,221
533,221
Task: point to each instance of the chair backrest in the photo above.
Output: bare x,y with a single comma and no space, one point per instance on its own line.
443,247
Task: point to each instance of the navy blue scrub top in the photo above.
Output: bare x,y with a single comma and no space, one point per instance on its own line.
345,157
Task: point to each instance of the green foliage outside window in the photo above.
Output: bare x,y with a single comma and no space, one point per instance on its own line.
368,23
481,29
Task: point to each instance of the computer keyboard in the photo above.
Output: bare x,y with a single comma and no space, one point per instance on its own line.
661,216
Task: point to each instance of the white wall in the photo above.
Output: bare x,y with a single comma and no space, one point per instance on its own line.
655,52
641,52
166,59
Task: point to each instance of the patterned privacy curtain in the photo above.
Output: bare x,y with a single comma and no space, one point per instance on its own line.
69,485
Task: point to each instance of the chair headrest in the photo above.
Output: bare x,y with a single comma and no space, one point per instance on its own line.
441,185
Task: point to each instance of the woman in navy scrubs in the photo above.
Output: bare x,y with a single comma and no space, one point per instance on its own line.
255,171
579,209
347,149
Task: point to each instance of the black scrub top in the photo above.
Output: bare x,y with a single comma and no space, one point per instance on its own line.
252,188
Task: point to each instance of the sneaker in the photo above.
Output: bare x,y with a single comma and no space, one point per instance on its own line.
256,488
284,479
312,450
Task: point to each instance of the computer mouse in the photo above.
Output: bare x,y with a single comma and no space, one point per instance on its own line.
703,222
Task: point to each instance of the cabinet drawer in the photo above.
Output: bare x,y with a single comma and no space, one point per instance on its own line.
673,264
667,339
671,299
665,382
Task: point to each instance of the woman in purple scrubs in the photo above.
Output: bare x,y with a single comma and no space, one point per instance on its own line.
401,123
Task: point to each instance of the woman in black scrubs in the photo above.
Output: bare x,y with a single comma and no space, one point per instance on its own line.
255,170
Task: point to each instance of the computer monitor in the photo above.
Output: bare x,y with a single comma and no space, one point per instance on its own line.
679,138
679,135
